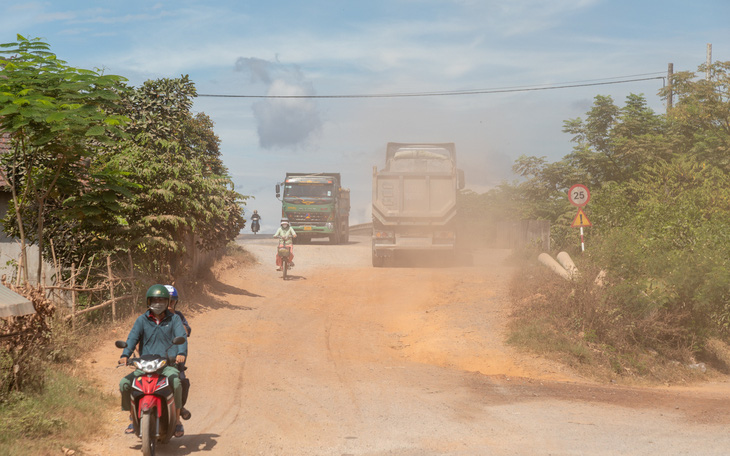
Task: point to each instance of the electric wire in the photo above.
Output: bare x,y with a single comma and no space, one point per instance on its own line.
538,87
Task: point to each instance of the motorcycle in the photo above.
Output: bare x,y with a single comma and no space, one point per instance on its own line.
153,408
255,227
283,252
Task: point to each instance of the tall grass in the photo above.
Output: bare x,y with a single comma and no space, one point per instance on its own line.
64,413
604,332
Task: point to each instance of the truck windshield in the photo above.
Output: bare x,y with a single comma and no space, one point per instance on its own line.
296,190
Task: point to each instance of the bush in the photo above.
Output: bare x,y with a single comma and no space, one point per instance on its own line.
24,352
602,332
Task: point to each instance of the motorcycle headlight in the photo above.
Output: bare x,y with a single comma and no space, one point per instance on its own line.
149,367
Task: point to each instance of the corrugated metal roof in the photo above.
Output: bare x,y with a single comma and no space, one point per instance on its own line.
4,148
4,142
13,305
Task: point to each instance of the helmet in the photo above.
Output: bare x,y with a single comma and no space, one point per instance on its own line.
158,291
173,292
284,222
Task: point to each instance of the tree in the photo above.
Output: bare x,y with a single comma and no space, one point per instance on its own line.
57,116
613,143
185,195
700,117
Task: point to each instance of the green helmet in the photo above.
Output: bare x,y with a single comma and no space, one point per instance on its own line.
158,291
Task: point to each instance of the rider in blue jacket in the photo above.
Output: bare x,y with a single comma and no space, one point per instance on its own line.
154,331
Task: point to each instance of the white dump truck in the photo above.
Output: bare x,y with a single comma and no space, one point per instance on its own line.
414,200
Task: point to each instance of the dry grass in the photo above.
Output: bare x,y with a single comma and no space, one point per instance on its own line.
576,324
50,420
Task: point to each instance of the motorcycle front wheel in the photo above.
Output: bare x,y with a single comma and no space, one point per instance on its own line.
147,431
284,267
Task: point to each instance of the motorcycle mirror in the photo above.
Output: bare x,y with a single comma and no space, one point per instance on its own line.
120,344
177,341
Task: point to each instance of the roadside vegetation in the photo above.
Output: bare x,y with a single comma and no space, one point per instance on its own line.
99,169
108,180
660,240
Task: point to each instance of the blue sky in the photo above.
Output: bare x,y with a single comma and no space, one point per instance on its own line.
381,47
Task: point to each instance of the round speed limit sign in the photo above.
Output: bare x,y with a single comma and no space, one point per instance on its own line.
579,195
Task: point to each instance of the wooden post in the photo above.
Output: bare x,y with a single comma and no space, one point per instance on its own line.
111,288
670,93
73,296
59,279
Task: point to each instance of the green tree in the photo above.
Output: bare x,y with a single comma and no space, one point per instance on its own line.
701,114
57,116
613,143
185,195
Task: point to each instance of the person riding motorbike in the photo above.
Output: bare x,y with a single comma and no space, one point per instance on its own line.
255,221
154,331
286,232
174,299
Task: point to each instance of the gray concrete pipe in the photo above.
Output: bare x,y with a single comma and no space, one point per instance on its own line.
550,262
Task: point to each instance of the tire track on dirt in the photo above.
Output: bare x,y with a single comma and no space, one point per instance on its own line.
349,359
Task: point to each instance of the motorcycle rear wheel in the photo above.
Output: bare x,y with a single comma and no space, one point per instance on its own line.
147,431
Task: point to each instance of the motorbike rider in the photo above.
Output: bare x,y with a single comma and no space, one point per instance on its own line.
255,220
154,331
286,232
174,299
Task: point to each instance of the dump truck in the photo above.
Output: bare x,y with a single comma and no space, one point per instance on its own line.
414,201
316,206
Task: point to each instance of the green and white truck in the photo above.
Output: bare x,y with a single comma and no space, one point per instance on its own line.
316,206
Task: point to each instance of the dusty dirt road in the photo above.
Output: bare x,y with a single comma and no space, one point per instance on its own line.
346,359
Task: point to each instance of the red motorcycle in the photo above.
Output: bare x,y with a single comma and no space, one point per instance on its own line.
153,405
283,252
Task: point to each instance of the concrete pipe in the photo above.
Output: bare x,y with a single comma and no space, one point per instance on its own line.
550,262
567,263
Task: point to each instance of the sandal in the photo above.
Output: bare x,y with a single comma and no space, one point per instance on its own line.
130,429
185,413
179,430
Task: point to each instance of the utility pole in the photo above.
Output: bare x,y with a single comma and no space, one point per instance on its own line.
709,61
670,94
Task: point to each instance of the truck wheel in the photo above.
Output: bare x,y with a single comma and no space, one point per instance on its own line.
335,238
378,261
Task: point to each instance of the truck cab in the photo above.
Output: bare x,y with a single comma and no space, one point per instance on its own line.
316,206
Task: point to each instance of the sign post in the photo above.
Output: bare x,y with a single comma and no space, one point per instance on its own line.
579,196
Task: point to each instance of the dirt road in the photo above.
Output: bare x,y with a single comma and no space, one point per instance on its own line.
346,359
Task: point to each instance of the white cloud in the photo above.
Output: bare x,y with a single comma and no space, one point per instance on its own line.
282,122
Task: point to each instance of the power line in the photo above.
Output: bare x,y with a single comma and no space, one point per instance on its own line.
566,85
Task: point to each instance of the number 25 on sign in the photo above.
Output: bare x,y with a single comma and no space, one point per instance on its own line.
579,195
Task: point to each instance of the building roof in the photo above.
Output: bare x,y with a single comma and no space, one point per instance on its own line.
4,149
14,305
4,142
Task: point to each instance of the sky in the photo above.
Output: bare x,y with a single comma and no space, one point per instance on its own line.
353,52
